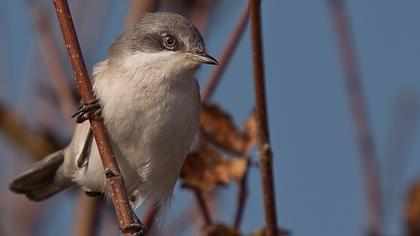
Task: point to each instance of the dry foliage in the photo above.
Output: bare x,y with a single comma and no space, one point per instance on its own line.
208,167
218,127
205,169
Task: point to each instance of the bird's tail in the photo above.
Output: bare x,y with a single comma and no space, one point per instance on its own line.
44,179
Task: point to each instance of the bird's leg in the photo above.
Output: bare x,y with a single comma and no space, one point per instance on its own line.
138,228
84,108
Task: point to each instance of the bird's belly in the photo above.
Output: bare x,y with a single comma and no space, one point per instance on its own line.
153,139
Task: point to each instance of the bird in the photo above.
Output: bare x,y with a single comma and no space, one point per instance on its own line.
148,96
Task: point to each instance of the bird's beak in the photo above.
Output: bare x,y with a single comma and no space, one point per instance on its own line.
205,58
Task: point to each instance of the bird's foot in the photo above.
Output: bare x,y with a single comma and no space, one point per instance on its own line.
137,229
85,108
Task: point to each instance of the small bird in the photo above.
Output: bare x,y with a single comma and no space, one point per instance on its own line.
149,100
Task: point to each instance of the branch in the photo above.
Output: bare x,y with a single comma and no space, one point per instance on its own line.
228,51
200,14
264,152
202,203
52,60
87,215
137,10
242,196
360,117
112,172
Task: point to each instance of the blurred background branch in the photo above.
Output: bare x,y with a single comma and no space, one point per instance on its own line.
354,86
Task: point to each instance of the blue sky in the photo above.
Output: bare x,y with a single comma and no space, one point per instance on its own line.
319,189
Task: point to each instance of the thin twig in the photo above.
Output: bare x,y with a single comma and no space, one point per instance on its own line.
228,51
112,172
52,60
87,215
201,200
360,117
137,10
242,196
265,152
200,14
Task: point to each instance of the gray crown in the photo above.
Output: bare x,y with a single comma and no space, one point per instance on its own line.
146,35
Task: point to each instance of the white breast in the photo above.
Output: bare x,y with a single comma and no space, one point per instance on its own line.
152,119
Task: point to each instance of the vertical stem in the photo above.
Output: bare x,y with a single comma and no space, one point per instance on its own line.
112,172
87,215
52,60
264,152
242,196
138,8
203,206
360,117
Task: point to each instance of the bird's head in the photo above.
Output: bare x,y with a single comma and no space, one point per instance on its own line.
165,40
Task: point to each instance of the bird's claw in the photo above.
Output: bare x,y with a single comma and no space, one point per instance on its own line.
137,229
84,108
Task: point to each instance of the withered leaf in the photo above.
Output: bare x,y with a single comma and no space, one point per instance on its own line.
412,210
218,126
250,132
206,168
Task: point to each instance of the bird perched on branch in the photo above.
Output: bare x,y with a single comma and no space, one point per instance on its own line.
149,99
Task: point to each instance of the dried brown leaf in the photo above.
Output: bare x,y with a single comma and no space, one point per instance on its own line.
412,210
219,128
206,168
250,132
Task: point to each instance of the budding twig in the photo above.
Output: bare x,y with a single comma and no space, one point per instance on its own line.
360,117
265,153
112,172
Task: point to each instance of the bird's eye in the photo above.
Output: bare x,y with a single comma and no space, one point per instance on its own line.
169,42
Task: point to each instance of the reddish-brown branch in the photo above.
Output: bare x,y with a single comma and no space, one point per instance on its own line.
228,51
264,152
87,215
201,200
112,172
360,117
137,10
52,60
242,196
200,14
